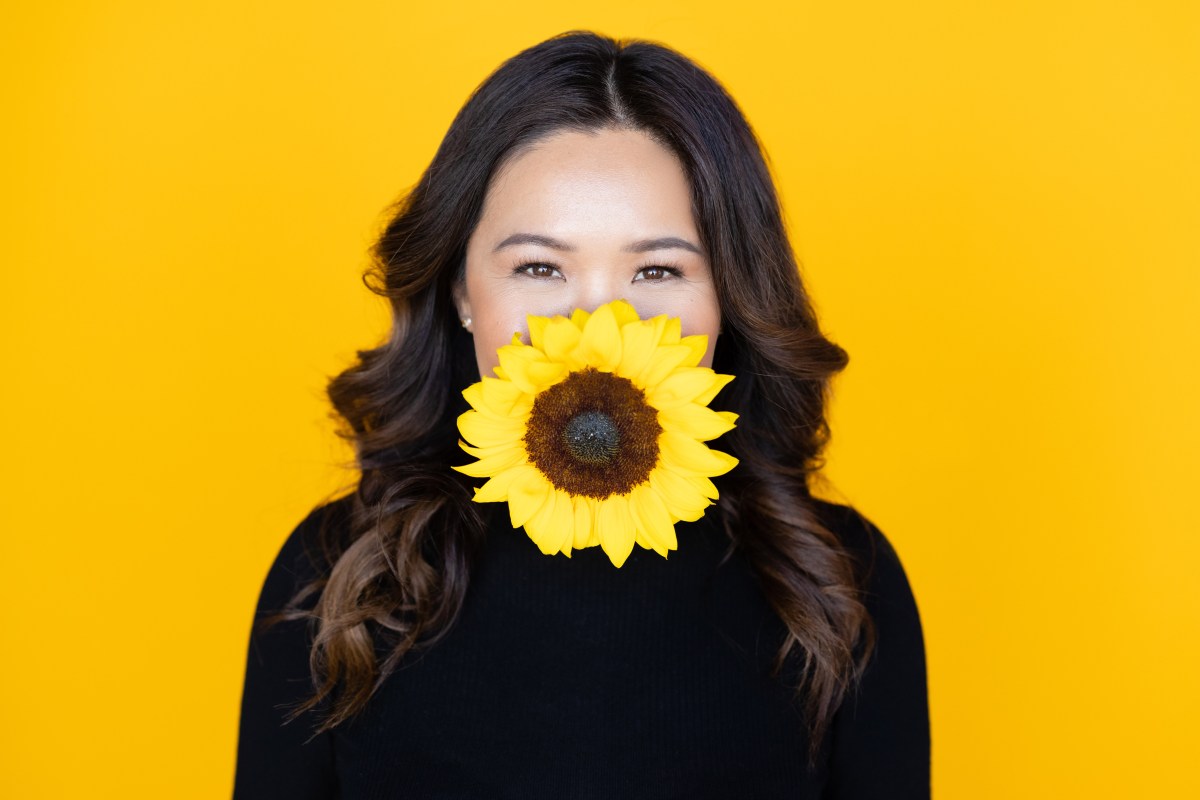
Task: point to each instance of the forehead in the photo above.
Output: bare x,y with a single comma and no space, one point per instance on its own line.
580,182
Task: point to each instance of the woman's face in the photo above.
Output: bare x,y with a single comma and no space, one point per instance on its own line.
578,220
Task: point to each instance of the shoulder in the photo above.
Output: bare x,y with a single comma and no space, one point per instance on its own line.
881,730
880,571
304,556
883,587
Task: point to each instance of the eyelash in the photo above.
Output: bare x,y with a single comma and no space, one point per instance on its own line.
522,268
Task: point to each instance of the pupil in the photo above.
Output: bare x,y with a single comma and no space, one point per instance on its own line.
592,437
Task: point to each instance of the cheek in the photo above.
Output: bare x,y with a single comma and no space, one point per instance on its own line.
704,318
493,328
487,341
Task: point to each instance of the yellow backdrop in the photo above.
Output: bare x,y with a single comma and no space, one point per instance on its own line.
996,207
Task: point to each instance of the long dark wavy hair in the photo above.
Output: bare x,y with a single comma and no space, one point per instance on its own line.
401,563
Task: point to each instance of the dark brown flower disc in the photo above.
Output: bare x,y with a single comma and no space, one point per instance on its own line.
593,434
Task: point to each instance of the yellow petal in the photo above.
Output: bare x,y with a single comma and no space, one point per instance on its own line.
686,455
496,489
671,331
623,312
488,452
682,497
527,493
696,421
699,345
550,527
504,398
664,359
583,521
484,431
579,318
615,528
594,511
705,486
600,345
528,368
473,394
560,339
564,521
518,413
638,340
681,386
545,374
486,467
537,329
654,521
719,382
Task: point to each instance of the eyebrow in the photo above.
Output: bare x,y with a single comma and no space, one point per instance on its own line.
640,246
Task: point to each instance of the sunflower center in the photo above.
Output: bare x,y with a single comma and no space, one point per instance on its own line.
593,434
592,437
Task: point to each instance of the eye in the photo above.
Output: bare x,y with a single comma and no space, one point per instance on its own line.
657,272
538,269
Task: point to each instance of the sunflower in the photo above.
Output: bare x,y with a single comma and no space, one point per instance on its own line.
594,432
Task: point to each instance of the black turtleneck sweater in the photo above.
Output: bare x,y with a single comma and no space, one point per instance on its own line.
571,679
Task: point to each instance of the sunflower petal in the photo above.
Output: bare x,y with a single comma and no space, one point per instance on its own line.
496,488
583,522
682,497
489,466
528,368
546,373
560,339
503,398
699,345
654,520
527,493
719,383
691,457
600,345
550,528
701,483
681,386
594,512
696,421
487,452
540,526
638,340
624,312
537,330
616,528
705,486
484,431
664,359
473,394
579,318
671,331
513,360
564,522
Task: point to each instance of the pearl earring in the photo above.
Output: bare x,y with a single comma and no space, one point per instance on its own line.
466,323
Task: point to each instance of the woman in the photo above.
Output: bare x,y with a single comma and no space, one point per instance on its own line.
428,649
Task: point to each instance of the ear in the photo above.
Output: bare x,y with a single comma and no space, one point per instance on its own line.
461,303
